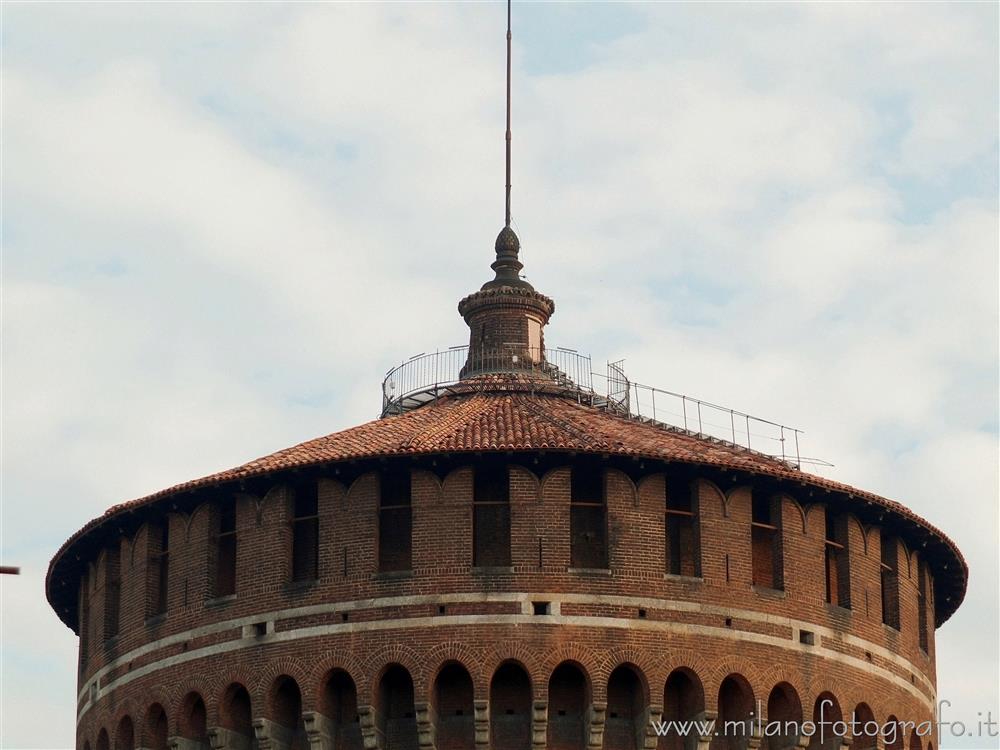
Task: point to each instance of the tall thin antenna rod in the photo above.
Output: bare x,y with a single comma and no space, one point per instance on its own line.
508,116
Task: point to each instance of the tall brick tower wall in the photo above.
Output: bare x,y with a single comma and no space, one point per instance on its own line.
506,567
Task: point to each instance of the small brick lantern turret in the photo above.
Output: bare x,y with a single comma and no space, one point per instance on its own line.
506,317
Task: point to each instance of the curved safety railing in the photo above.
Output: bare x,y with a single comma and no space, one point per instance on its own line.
425,377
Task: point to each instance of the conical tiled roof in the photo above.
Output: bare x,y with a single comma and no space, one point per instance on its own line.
519,415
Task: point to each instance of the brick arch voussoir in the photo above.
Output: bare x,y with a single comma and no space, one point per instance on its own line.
454,652
357,482
816,518
434,479
453,476
547,477
518,653
832,686
312,690
633,489
861,529
115,729
262,693
379,661
795,504
586,657
643,664
536,482
178,693
241,675
190,519
153,695
720,670
125,708
775,674
726,498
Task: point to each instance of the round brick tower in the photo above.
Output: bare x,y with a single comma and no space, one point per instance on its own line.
506,560
510,560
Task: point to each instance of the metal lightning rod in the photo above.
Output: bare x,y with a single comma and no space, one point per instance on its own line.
507,223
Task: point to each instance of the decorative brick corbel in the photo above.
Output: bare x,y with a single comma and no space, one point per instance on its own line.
595,725
220,738
539,725
320,731
371,738
425,725
272,736
481,720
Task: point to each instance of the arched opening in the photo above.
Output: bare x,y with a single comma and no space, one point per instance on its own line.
453,706
340,705
510,708
287,711
103,743
396,715
625,722
893,734
193,720
155,728
784,718
235,712
568,703
683,700
915,742
829,721
125,735
866,734
736,705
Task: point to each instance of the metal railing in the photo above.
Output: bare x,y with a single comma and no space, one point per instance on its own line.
681,413
424,377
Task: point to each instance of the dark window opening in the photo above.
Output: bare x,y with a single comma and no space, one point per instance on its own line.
84,620
922,613
112,593
681,553
491,517
541,608
837,563
225,550
588,518
765,542
158,571
305,534
395,521
889,580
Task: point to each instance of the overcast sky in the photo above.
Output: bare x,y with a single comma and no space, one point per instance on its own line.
223,223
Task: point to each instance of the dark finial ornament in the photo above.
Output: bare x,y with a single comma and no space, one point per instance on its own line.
507,266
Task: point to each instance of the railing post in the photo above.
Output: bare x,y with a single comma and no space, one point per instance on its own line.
748,432
684,409
701,429
798,458
653,391
732,423
782,442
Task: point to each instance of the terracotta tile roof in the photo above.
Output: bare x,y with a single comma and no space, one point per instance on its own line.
524,417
